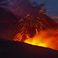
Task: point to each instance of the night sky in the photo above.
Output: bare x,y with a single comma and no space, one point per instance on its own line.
51,5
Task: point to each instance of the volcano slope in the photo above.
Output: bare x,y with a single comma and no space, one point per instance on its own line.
15,49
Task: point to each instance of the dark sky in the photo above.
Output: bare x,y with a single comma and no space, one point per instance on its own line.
51,5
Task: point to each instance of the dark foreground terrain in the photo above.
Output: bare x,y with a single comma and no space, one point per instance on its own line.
12,49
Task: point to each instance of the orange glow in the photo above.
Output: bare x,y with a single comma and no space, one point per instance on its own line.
45,38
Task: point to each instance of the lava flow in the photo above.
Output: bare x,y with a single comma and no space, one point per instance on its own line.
47,38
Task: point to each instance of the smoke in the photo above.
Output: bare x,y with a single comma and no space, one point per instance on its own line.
36,2
20,7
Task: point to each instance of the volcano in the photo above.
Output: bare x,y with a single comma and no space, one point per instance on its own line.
37,29
37,35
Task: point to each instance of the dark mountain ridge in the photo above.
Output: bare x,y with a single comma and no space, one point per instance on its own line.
17,49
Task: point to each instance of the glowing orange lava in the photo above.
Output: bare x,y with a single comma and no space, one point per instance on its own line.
46,38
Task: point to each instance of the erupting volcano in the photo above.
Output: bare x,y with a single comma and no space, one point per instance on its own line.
38,30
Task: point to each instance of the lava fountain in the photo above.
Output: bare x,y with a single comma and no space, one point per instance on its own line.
40,31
